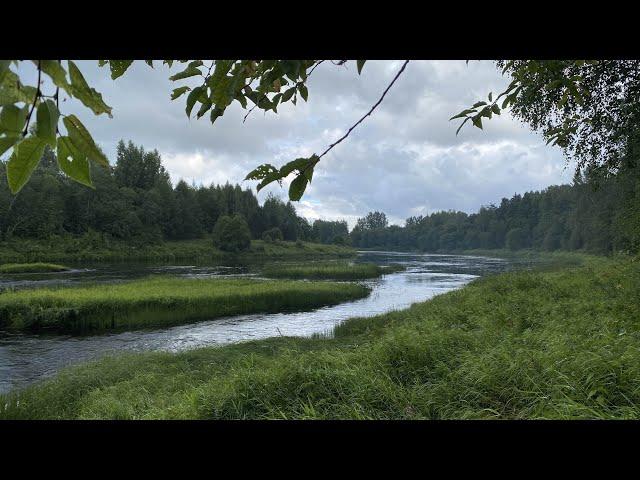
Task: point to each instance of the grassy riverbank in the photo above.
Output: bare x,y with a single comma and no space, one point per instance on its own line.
329,271
159,301
558,343
73,249
32,268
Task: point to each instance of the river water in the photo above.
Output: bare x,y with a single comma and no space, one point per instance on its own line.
25,358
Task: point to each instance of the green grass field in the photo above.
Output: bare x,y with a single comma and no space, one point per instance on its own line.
32,268
158,301
561,343
329,270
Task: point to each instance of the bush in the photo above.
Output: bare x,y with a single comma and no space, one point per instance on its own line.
232,234
340,240
272,235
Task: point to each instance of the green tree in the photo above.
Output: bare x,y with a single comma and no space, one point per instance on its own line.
232,234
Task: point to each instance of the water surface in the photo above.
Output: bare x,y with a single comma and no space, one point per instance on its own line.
25,358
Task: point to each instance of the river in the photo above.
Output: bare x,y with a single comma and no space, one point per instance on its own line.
25,358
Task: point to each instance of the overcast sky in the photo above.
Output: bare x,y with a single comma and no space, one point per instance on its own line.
403,160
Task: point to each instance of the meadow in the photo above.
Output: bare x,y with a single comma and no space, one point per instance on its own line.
161,301
558,343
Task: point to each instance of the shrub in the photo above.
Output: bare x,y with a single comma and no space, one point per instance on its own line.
272,235
232,234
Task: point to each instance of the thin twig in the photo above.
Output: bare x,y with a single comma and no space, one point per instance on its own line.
38,93
367,114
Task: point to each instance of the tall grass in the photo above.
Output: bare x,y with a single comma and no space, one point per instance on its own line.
561,344
333,271
157,301
31,268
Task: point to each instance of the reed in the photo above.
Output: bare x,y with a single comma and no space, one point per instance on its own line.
160,301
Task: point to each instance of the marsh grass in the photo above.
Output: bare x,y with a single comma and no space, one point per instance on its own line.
159,301
562,344
32,268
329,271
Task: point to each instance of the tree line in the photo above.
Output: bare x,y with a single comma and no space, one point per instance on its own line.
598,213
134,201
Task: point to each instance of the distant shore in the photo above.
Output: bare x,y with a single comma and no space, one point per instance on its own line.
79,249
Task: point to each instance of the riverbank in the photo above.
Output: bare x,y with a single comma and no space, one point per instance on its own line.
79,249
161,301
39,267
558,343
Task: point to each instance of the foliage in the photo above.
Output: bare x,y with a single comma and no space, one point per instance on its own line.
560,344
265,83
134,201
272,235
231,234
157,301
594,214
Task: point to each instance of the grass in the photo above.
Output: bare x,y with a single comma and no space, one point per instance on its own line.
559,343
159,301
332,270
70,249
32,268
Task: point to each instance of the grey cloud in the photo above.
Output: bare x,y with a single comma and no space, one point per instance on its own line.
405,159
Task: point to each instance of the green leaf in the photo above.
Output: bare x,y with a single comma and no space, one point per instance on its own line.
261,172
12,91
495,109
204,108
490,96
192,98
462,124
463,113
56,72
297,187
6,143
12,119
477,121
303,91
73,162
47,122
118,67
215,113
149,62
83,141
87,95
4,69
23,161
360,64
286,96
191,71
479,104
179,91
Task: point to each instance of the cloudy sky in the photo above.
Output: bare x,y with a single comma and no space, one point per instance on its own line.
404,160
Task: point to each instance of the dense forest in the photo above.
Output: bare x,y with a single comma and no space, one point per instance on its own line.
598,213
135,201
